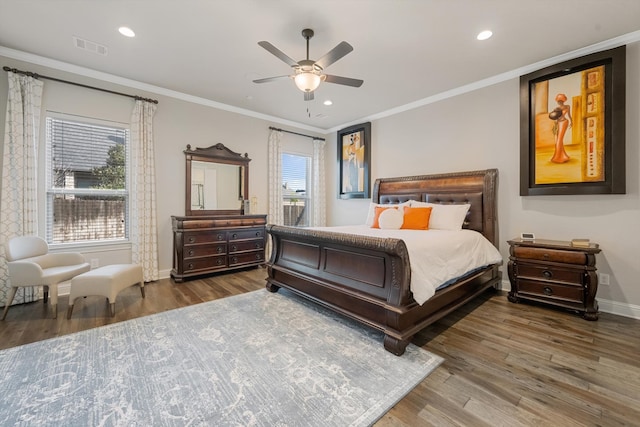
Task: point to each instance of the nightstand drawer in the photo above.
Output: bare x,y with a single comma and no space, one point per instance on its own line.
557,274
551,290
553,255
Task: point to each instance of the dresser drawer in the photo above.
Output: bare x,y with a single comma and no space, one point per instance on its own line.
246,245
246,258
551,290
195,251
251,233
216,243
553,255
194,238
557,274
209,263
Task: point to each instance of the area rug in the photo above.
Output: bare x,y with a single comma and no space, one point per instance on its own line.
256,359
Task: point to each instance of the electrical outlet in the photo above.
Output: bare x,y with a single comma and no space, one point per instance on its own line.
603,279
95,263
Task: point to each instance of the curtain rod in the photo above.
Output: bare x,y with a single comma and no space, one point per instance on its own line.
36,76
296,133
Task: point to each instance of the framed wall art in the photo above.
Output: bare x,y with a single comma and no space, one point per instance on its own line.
354,155
572,126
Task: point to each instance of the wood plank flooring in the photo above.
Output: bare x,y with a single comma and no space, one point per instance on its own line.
505,364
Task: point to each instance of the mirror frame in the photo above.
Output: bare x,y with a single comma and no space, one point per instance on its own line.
216,154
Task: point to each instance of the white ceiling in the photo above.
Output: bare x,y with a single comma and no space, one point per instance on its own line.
406,51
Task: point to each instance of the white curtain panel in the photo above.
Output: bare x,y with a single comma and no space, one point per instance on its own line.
276,212
143,222
19,201
319,214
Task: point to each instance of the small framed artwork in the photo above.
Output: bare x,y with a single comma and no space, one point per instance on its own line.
354,155
572,126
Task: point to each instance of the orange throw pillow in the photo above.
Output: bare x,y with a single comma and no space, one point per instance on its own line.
416,218
379,210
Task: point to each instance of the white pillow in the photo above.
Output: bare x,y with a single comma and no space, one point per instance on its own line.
391,219
372,211
445,217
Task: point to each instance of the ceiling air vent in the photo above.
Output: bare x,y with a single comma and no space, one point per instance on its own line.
90,46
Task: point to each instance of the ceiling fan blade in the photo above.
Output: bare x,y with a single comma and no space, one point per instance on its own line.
308,96
334,54
343,80
277,52
271,79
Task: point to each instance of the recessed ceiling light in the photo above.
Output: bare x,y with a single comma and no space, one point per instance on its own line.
328,102
483,35
126,31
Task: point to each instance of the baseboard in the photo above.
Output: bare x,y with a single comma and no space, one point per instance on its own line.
605,306
64,288
618,308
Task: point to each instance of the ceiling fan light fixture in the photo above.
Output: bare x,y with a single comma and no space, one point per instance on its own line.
307,82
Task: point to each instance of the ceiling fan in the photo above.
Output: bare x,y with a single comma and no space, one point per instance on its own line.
308,74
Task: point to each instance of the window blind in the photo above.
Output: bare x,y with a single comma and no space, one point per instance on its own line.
86,181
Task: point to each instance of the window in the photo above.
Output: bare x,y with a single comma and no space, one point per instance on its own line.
86,181
296,173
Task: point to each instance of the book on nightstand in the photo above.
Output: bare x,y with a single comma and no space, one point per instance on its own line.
580,243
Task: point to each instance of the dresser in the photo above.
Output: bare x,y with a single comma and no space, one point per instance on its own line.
216,243
555,273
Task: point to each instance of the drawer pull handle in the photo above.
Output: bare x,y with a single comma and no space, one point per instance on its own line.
258,245
234,260
545,256
234,248
234,236
219,261
219,249
547,290
192,239
190,266
547,274
258,256
191,252
220,236
258,234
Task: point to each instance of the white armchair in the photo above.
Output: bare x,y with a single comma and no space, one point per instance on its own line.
31,264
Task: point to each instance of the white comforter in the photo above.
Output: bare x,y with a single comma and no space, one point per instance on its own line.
436,256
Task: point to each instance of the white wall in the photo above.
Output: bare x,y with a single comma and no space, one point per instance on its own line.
480,130
476,130
176,124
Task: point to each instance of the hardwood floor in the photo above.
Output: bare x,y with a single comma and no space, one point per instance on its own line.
505,364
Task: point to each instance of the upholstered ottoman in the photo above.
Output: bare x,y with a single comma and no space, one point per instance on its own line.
106,281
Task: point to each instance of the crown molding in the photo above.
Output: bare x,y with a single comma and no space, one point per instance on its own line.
499,78
111,78
480,84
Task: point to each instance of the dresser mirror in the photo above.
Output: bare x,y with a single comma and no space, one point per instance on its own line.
217,181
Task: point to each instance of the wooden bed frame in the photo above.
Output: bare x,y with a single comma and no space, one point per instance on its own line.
368,278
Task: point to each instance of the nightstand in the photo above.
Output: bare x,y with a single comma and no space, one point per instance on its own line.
554,272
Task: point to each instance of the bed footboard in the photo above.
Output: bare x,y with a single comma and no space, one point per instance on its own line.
368,278
365,278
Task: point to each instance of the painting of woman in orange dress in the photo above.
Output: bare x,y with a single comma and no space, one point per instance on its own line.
562,115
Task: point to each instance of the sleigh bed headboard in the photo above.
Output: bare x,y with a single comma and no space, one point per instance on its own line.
478,188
